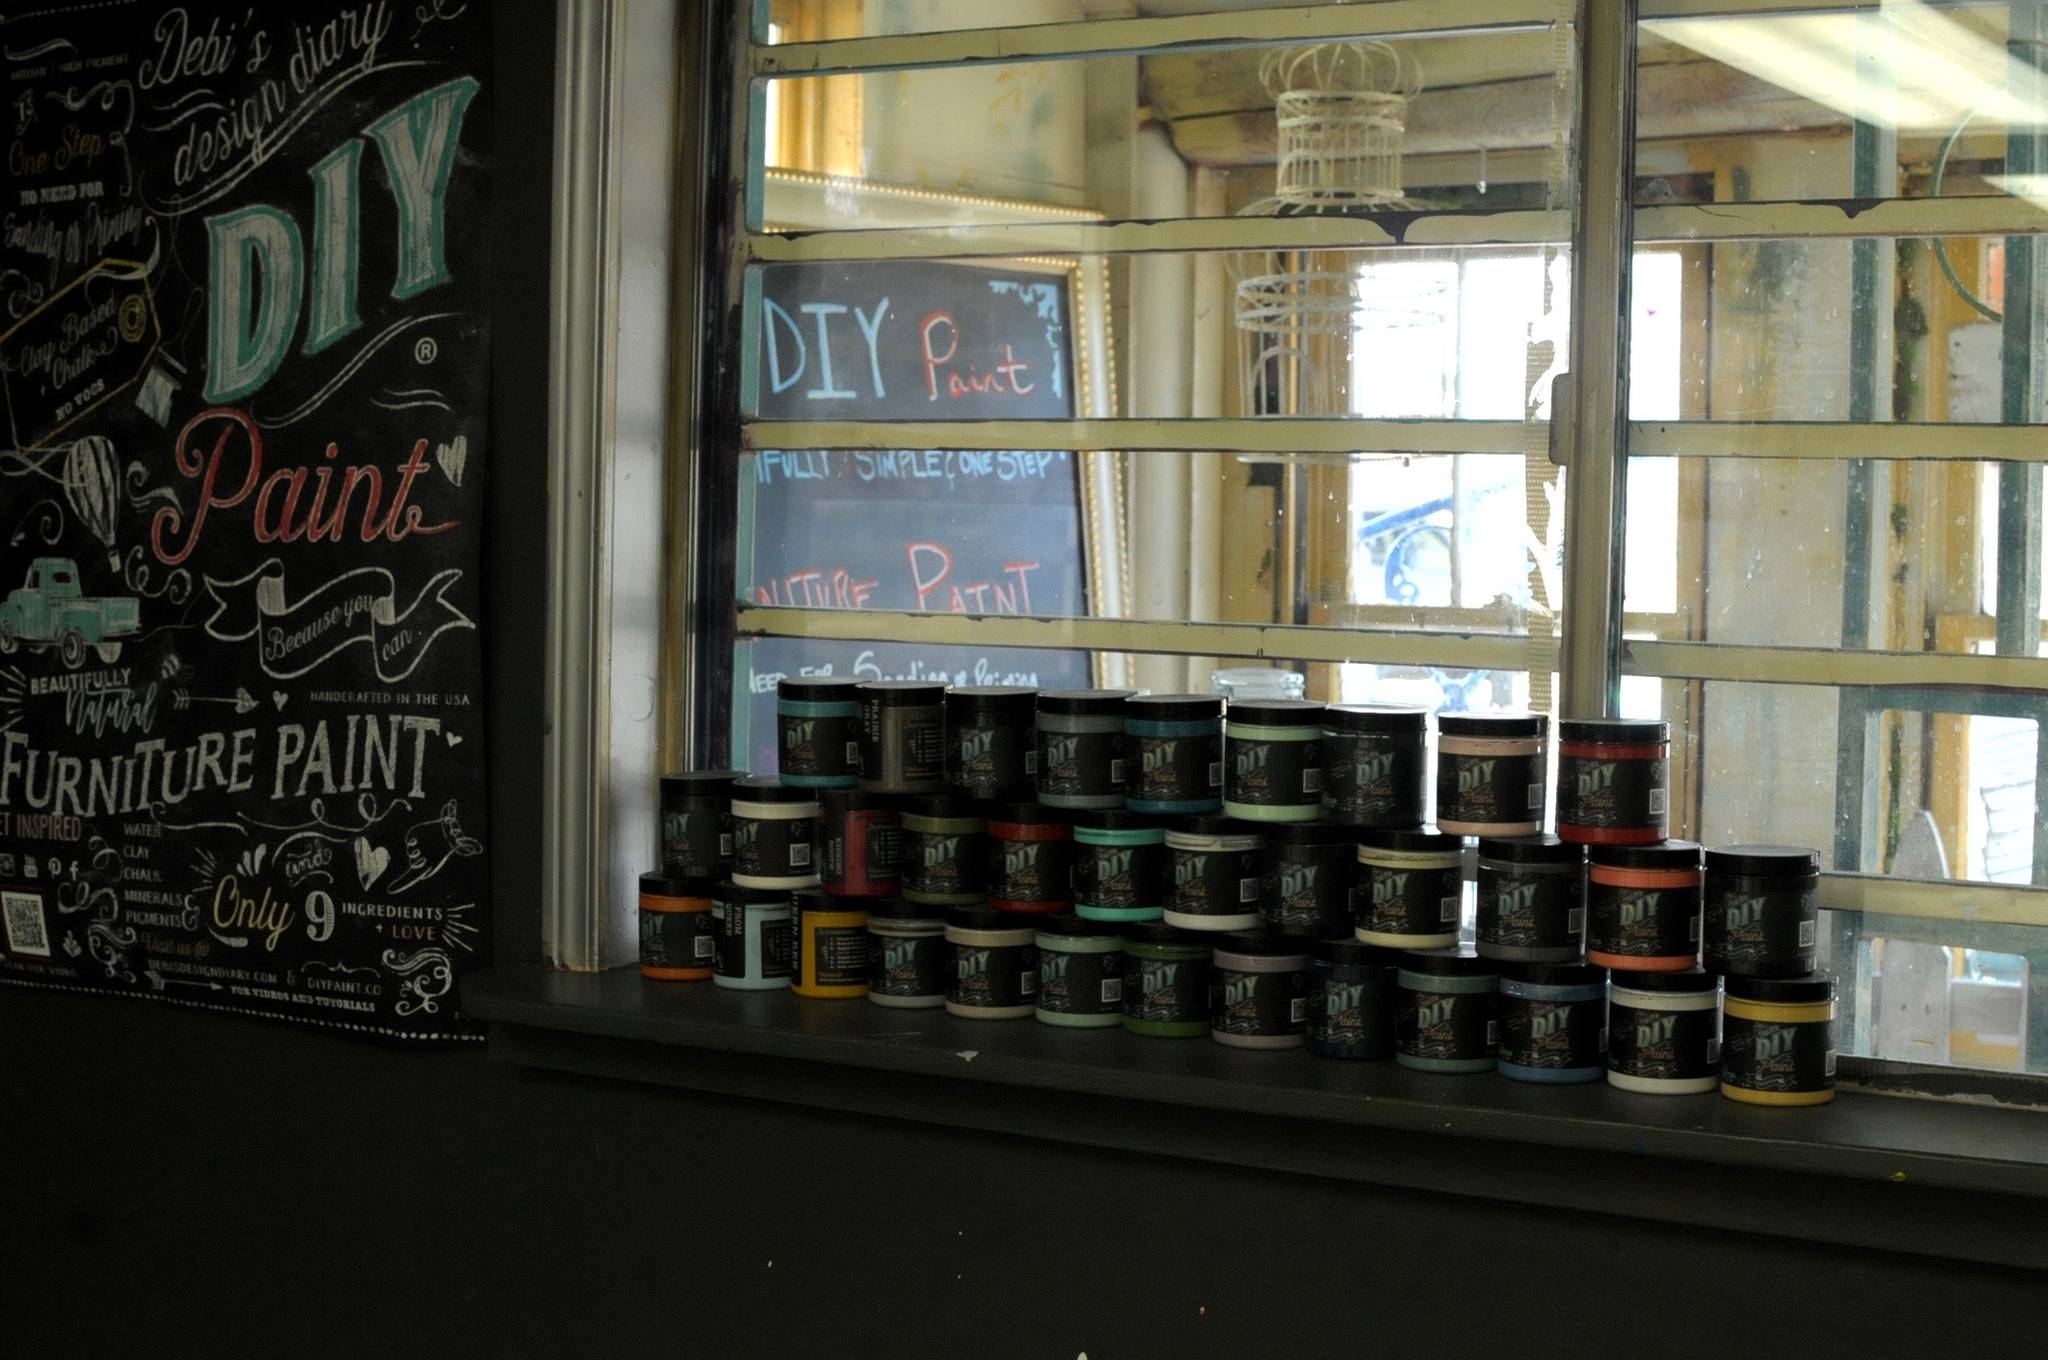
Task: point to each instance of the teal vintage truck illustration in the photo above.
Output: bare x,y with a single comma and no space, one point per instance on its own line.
51,611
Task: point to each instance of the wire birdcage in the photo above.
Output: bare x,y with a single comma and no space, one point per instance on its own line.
1342,110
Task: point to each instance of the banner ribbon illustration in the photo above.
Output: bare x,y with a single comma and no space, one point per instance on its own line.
359,606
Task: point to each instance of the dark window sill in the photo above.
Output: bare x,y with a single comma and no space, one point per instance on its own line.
1928,1177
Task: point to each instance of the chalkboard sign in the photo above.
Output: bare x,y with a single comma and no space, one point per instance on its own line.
244,357
930,530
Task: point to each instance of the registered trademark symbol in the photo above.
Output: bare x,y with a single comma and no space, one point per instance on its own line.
425,351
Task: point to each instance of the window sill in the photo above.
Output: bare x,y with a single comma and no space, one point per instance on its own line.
1927,1177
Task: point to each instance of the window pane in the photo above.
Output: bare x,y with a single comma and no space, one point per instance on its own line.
1940,991
812,20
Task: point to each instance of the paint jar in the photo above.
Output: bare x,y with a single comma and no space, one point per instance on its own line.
1081,748
1273,760
1778,1040
908,956
1305,879
753,938
1122,870
1553,1022
1408,891
1166,981
1258,993
1444,1013
1489,773
1030,859
902,736
1173,744
1532,899
945,852
1376,766
1664,1033
696,824
994,973
1762,910
817,722
1351,998
1613,780
861,853
676,940
1643,906
990,746
775,831
828,945
1080,973
1215,873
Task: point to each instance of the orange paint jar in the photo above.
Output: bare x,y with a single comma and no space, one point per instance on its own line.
676,930
1643,907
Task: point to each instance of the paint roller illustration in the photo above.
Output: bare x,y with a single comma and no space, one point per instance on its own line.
421,852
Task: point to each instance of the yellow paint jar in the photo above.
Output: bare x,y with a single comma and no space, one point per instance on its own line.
831,941
1778,1040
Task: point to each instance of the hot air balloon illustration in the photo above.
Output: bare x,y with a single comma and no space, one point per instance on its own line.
92,483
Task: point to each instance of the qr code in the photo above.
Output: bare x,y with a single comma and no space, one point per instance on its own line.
25,931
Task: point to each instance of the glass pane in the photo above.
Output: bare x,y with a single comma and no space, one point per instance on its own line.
1944,992
813,20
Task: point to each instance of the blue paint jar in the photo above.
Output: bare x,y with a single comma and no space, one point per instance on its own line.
1173,745
1553,1022
817,725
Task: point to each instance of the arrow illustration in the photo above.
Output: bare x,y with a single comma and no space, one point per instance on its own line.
182,699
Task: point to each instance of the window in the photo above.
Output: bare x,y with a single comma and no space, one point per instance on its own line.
1231,340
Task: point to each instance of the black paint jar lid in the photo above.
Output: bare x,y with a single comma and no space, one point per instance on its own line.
1084,702
1066,923
1530,850
896,909
700,783
665,885
1375,719
1158,932
1425,842
988,918
731,892
1448,963
1310,833
817,899
1175,707
1277,712
1768,861
1662,855
1685,982
840,801
1012,703
1615,731
1555,974
922,693
945,806
1785,991
1352,953
1497,725
1029,814
816,688
1216,824
1260,943
1111,819
759,788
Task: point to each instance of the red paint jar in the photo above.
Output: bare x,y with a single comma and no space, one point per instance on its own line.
1643,907
1030,858
1613,781
862,844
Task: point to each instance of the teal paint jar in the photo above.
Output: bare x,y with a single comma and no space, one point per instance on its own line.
1122,871
1173,745
817,724
1446,1012
1553,1022
1080,974
1273,760
1166,981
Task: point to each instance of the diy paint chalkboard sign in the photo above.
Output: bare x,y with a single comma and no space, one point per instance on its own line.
244,354
925,530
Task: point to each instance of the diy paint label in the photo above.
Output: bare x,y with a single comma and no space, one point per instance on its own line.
1122,877
1215,882
868,848
775,847
1759,928
1258,1005
1031,871
991,762
1261,773
839,956
993,977
908,965
1533,911
697,842
902,746
677,939
1348,1019
1559,1035
1771,1055
1166,991
1080,984
1310,897
1445,1026
819,747
1409,901
1374,780
1664,1045
1182,773
1080,764
1643,922
1489,790
1597,792
735,923
942,863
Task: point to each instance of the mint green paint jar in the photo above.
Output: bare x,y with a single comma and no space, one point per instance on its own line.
1273,760
1166,981
1080,973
